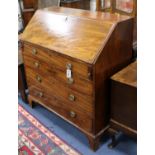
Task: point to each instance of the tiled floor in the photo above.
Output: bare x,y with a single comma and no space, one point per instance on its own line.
75,138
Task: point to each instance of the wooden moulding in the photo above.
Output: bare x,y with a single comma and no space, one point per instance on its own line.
96,45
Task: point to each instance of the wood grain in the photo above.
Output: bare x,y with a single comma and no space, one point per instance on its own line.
63,36
97,15
78,68
58,106
61,92
116,54
124,109
71,4
96,45
80,84
27,15
128,75
30,4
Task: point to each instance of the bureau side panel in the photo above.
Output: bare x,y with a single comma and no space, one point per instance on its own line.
115,55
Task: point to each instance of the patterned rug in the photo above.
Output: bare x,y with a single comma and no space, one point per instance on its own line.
35,139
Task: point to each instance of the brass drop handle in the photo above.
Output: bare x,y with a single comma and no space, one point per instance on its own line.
72,114
40,94
71,97
38,78
36,64
34,51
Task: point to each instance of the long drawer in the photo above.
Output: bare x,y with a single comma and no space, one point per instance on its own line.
71,113
78,68
80,84
60,91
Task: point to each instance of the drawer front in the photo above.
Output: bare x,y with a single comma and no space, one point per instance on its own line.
59,62
80,85
75,115
57,89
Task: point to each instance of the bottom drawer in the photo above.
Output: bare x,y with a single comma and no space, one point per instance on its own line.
70,113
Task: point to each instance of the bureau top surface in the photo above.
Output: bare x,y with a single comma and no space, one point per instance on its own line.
75,33
128,75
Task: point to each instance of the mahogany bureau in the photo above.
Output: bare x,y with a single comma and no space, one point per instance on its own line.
124,102
69,55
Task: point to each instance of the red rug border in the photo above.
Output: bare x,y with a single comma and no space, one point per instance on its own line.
26,149
50,130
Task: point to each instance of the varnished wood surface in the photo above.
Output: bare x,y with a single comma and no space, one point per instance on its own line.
71,4
30,4
58,61
53,76
113,9
27,15
128,75
124,104
59,91
104,44
97,15
80,84
29,7
76,37
124,100
56,105
126,129
116,54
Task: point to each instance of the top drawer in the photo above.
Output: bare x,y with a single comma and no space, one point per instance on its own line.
59,61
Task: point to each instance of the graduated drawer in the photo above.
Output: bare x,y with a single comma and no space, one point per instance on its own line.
71,113
57,89
59,61
80,84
